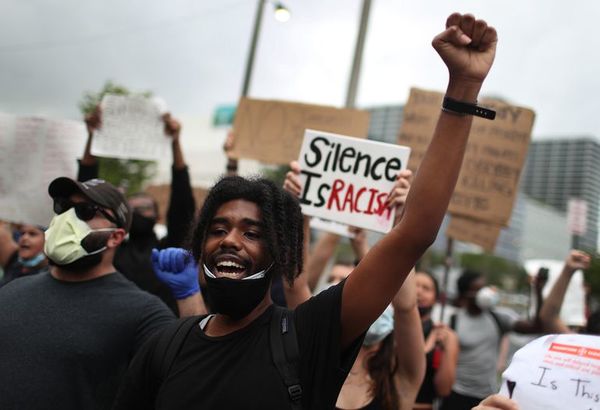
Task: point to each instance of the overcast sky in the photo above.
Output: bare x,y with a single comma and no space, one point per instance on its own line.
192,53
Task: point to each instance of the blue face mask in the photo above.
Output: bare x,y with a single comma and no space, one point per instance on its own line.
383,326
31,262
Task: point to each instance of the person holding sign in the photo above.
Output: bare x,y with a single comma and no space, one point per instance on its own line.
251,355
25,257
133,257
550,311
389,367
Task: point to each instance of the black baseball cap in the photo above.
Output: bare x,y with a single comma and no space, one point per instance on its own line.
98,191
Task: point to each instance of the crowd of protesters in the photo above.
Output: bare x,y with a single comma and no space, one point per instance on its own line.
89,302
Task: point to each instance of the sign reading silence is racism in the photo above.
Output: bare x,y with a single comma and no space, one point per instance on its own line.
272,131
495,154
348,180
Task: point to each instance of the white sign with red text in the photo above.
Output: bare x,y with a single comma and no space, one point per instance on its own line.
347,180
555,372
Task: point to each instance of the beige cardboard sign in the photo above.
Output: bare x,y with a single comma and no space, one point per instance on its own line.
162,193
495,155
473,231
272,131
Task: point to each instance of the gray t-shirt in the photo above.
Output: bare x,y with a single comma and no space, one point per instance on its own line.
67,344
479,337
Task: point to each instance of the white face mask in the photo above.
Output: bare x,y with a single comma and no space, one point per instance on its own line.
487,298
64,237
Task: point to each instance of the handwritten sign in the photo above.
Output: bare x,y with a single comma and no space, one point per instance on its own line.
474,231
132,128
556,372
272,131
34,151
496,151
572,311
347,180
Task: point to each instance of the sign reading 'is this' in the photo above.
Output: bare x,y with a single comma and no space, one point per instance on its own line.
348,180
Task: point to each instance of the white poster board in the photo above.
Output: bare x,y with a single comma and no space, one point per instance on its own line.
132,128
573,308
555,372
577,211
34,151
347,180
331,226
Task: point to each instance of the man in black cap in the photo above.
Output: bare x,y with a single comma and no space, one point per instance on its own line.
71,332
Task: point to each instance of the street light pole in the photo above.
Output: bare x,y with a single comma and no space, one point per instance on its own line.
358,53
252,52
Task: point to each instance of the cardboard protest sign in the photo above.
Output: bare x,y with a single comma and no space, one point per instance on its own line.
473,231
555,372
34,151
162,194
272,131
132,128
572,311
347,180
487,185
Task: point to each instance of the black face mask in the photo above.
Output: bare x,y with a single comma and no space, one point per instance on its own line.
234,297
91,243
425,310
141,225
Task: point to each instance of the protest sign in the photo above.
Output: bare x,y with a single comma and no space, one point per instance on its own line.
496,151
577,211
162,194
473,231
572,311
348,180
34,151
331,226
132,128
555,372
272,131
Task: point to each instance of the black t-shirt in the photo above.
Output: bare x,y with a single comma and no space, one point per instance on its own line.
236,371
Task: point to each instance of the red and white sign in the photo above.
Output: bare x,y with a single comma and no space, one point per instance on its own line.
348,180
577,216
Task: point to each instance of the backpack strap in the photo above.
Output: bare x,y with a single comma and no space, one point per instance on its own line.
453,320
169,344
285,352
498,323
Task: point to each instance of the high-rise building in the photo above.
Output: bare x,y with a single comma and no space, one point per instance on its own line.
385,123
559,169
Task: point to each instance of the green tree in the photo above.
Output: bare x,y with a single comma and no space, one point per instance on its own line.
130,174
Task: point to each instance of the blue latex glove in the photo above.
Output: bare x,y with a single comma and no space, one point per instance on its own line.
177,269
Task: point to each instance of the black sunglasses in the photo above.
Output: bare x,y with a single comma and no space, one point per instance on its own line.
84,210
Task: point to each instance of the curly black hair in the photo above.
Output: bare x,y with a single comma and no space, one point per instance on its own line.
281,219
